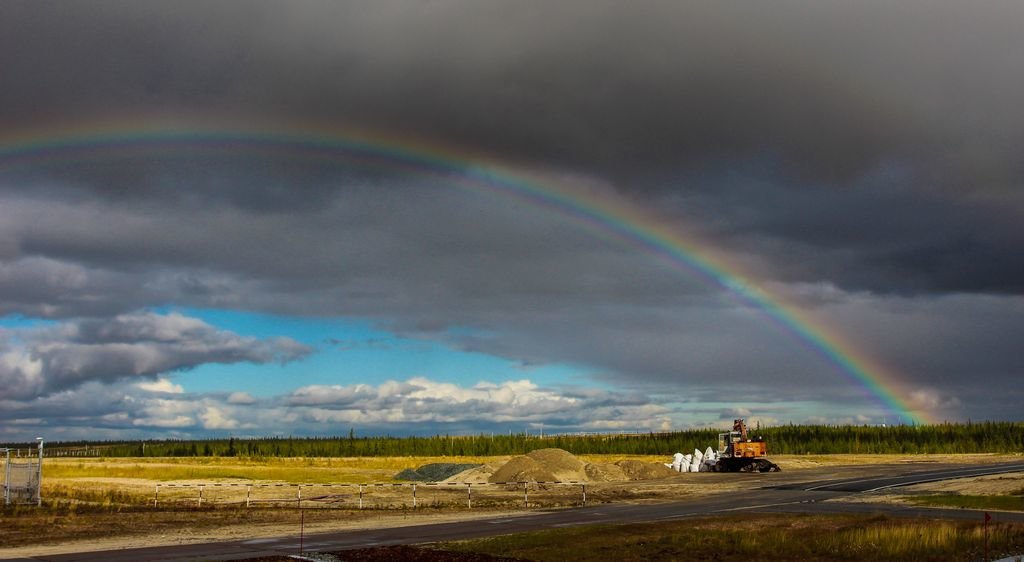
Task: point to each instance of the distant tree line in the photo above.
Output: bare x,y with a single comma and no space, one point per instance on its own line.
983,437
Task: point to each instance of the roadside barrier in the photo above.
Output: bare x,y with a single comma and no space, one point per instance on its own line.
358,495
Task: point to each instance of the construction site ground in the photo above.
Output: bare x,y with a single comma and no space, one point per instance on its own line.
32,531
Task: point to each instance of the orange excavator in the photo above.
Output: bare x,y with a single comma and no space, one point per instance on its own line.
738,452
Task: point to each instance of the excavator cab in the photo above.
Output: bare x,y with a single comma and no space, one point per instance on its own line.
726,443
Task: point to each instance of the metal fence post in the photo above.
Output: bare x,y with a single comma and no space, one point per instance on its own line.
39,475
7,478
298,495
584,494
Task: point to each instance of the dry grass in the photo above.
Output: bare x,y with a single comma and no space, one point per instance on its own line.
131,481
312,470
90,496
992,503
767,537
125,482
75,522
382,469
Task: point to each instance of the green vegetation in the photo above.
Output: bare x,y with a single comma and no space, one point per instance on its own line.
1013,502
986,437
764,538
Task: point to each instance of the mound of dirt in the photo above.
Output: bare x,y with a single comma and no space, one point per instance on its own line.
556,465
562,464
542,465
523,469
637,470
605,473
434,472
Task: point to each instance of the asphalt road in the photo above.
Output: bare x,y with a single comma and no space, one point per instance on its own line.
792,496
916,476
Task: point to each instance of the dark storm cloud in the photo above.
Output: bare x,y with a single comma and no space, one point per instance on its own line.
41,361
876,237
807,100
410,247
828,88
867,152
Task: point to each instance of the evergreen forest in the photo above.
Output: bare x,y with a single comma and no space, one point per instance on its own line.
948,438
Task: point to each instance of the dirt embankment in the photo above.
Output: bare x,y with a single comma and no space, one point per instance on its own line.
557,465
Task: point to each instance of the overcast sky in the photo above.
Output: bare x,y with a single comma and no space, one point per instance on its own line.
859,160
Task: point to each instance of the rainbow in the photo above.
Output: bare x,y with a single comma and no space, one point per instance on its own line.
598,210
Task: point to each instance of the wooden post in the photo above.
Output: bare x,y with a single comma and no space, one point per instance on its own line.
584,494
414,495
469,495
248,494
298,495
156,494
360,496
200,496
526,494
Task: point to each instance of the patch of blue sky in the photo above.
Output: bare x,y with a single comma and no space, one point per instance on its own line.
17,321
351,351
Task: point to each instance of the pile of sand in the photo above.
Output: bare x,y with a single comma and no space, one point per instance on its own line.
542,465
557,465
601,472
636,470
524,469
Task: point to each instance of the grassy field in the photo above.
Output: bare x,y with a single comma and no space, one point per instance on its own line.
278,469
81,484
995,503
379,469
312,470
763,538
132,481
104,497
